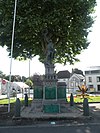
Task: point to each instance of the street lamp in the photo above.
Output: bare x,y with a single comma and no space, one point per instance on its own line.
29,77
9,85
30,58
29,72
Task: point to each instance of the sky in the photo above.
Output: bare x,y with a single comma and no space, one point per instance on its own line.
88,57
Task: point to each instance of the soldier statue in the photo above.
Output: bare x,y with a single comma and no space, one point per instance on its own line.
50,51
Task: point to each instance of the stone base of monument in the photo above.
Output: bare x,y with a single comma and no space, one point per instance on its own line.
49,97
50,110
50,103
49,106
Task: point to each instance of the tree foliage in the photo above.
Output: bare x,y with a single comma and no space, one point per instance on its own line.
68,23
16,78
2,75
29,82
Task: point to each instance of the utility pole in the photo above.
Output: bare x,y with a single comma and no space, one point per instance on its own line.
9,84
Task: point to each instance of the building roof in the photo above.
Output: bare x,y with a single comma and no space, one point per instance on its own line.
79,76
21,84
91,68
63,74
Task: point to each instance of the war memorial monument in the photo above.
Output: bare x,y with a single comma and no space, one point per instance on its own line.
49,95
49,98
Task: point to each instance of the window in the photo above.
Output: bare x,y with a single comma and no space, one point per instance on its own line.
72,84
87,72
98,86
95,71
81,80
64,79
76,84
98,79
90,79
90,86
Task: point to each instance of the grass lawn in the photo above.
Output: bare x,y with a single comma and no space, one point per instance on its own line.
79,99
13,100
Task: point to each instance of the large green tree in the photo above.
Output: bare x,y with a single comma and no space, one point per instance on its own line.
67,23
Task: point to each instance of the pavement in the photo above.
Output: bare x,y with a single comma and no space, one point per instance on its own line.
95,109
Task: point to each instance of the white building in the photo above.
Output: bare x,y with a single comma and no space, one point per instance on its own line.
75,81
72,81
92,75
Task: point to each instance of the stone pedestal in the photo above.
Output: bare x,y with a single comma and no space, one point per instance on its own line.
50,83
49,96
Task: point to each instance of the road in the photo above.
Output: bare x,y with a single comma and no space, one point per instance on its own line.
91,128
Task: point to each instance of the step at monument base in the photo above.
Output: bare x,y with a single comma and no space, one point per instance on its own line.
49,106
